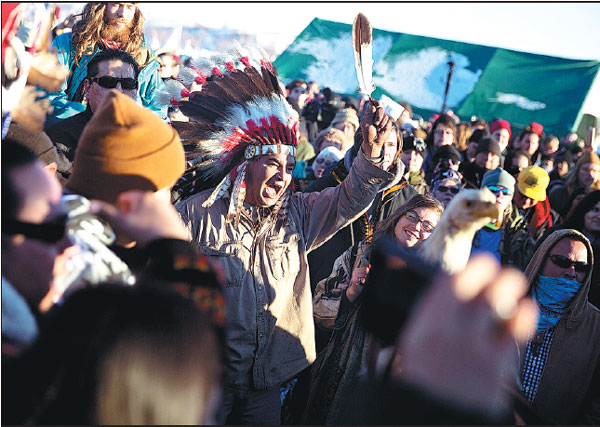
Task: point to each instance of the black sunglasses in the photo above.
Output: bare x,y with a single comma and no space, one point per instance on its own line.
444,189
49,232
564,262
108,82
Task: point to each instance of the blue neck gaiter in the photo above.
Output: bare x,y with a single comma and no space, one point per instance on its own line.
552,296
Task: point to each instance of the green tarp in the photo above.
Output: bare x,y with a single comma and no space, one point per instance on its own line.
487,82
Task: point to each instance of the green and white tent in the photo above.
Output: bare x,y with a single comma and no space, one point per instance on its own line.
487,82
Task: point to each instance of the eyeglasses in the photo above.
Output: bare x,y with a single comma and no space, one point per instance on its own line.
445,189
564,262
495,189
49,232
415,219
108,82
327,163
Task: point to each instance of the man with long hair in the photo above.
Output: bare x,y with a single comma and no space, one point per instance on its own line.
104,26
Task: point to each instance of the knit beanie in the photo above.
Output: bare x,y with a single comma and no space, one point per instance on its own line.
444,175
38,142
446,152
488,145
564,156
500,124
346,115
125,147
478,135
499,176
330,134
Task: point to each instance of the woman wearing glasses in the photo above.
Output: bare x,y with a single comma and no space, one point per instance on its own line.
337,304
503,237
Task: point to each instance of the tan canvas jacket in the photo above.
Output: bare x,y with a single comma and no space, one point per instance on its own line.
269,303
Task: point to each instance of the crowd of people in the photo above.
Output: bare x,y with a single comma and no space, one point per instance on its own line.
190,241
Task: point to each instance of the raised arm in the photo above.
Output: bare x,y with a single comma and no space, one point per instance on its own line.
324,213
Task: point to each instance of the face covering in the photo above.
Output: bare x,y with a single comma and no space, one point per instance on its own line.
552,296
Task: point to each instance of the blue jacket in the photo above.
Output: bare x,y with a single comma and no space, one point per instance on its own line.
67,102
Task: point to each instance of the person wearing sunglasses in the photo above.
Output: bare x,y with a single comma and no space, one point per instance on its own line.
105,25
326,158
108,69
500,237
560,366
445,185
33,241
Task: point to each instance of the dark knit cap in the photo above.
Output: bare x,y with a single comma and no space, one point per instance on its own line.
446,152
478,135
564,156
38,142
488,145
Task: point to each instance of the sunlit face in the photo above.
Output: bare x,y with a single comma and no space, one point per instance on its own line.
591,220
524,202
520,162
298,95
120,14
502,200
487,160
391,148
410,231
267,178
445,190
588,174
412,160
443,135
551,146
572,249
169,67
502,136
346,127
115,68
529,143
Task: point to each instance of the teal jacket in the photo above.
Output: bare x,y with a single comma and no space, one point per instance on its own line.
67,102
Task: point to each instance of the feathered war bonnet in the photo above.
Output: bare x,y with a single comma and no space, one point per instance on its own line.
240,113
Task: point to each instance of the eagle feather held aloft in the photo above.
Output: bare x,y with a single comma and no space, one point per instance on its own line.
362,44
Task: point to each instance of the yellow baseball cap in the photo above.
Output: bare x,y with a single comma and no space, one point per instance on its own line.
533,182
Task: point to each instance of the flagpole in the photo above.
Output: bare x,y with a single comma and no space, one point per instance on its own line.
451,65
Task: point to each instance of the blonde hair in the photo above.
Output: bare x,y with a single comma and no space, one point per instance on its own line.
150,378
87,31
463,133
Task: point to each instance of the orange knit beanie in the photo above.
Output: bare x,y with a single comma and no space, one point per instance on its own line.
125,147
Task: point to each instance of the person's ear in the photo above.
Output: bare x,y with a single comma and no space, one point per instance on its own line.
52,168
86,87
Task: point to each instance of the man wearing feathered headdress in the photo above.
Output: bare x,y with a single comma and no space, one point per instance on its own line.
105,26
240,208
